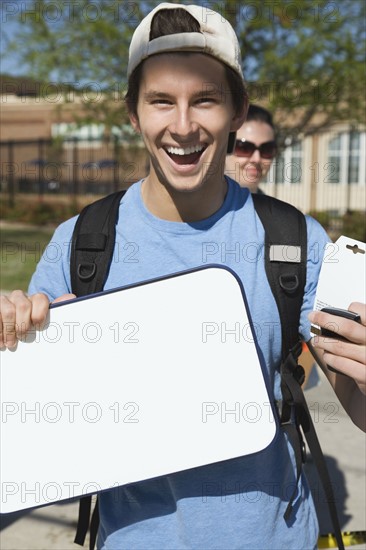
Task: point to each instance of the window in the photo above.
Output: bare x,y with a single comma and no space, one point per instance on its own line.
88,135
288,166
345,162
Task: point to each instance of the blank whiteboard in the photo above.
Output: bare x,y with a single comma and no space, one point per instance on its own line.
132,384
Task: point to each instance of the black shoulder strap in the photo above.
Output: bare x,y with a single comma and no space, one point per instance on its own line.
85,523
93,244
91,255
285,261
285,264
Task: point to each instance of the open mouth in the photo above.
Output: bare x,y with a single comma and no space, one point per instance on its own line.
186,155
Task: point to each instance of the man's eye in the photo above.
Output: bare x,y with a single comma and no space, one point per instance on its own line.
161,101
204,99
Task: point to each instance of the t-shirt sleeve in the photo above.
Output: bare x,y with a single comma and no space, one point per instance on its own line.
317,240
52,275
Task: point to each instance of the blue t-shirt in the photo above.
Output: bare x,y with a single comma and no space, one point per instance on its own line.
233,504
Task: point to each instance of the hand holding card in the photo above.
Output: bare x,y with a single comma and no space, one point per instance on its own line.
346,352
340,317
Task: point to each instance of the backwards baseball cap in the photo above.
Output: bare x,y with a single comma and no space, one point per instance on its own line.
216,38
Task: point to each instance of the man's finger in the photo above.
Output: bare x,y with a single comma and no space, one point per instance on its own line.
63,298
40,307
359,308
15,317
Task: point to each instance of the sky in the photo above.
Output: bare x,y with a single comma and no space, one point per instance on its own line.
8,28
10,10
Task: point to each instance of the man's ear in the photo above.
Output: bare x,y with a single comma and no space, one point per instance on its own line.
134,119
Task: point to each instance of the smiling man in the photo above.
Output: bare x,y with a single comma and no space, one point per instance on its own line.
185,104
185,129
186,96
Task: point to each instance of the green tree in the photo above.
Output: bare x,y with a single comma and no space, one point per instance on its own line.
303,59
80,43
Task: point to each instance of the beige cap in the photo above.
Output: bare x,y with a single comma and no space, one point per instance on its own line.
216,38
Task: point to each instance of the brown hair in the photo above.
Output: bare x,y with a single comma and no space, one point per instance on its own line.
174,21
259,114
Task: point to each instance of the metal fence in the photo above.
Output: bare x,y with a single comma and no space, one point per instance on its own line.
72,166
99,166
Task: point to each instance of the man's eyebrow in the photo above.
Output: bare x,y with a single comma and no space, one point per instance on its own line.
210,90
155,94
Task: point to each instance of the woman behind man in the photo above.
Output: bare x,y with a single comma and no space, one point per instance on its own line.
254,149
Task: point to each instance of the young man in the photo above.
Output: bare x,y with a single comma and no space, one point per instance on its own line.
185,97
254,149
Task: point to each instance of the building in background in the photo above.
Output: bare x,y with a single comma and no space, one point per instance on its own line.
43,149
322,171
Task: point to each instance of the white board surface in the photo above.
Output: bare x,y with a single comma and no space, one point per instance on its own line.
131,384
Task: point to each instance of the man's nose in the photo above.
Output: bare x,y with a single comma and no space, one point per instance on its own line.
183,123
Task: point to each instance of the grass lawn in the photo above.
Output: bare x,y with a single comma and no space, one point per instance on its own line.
21,249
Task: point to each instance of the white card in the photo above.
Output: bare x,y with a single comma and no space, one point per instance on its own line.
343,274
132,384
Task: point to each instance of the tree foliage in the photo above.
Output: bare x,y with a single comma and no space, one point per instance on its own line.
303,59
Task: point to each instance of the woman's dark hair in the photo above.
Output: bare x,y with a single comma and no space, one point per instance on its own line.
174,21
255,112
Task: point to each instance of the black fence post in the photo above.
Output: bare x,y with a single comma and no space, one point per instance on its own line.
116,164
75,158
41,163
11,186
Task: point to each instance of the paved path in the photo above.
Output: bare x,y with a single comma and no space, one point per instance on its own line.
48,528
344,447
53,527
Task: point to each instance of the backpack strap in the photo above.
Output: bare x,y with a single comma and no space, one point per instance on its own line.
303,418
285,264
93,244
91,255
86,523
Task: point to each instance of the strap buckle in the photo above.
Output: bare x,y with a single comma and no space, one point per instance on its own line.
86,271
289,282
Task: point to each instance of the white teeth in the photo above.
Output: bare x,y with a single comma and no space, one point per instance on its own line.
187,151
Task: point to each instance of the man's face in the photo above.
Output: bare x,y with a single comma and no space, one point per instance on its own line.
249,171
185,114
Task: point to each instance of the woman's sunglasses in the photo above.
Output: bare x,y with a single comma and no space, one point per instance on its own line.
245,148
